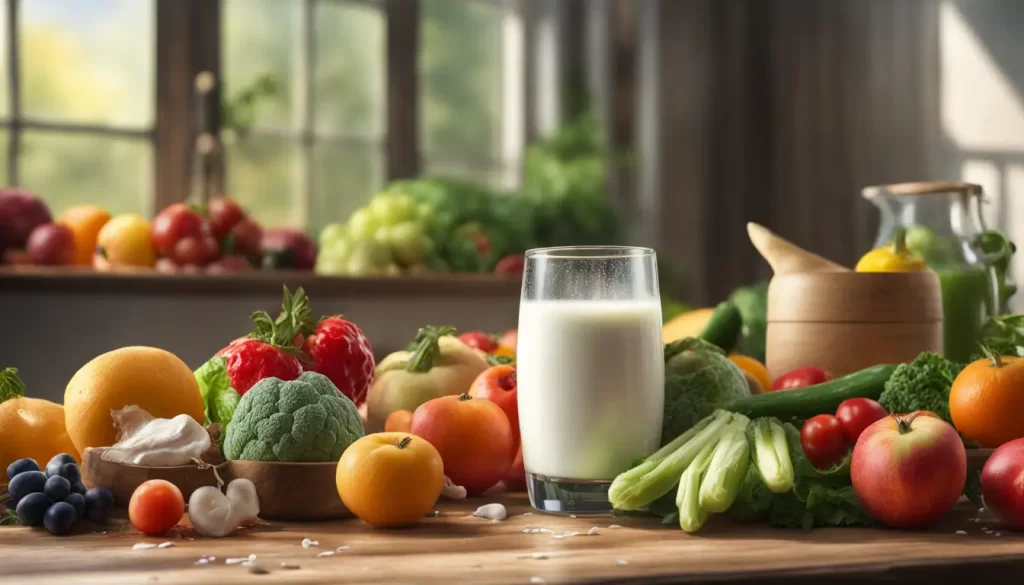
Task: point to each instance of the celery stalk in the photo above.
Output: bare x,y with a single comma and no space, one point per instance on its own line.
728,468
645,483
771,454
692,515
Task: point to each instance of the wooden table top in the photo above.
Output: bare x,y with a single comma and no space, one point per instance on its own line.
458,548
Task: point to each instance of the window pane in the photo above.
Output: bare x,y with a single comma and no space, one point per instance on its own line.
261,37
88,61
4,137
265,176
65,169
495,176
460,64
350,69
345,178
4,71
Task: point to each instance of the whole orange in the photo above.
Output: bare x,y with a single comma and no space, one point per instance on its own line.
153,379
33,428
756,369
124,241
390,479
399,421
985,400
85,222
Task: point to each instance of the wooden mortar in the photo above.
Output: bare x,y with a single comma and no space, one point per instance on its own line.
847,321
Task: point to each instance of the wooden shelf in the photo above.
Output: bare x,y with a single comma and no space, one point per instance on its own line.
148,282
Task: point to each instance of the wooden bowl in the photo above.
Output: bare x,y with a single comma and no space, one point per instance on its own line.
122,479
293,491
847,321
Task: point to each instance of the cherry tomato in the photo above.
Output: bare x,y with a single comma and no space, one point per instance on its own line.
247,235
197,250
823,441
177,222
156,507
479,340
224,214
801,378
856,414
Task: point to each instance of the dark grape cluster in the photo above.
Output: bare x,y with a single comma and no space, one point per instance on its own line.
56,498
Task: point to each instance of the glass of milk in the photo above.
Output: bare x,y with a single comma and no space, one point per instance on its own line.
591,374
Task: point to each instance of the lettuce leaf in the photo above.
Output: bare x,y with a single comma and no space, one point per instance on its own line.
219,398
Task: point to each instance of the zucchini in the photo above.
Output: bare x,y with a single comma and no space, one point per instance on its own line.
723,328
824,398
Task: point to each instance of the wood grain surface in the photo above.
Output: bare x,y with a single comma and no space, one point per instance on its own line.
458,548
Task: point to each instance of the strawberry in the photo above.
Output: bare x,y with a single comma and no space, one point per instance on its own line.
339,350
479,340
270,351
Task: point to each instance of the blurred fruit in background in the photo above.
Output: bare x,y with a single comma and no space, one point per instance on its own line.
51,244
512,265
85,222
245,237
125,240
223,214
175,223
21,211
287,249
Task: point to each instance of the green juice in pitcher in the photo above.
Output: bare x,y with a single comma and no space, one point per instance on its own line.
965,302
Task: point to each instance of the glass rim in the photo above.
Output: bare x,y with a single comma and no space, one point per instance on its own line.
590,252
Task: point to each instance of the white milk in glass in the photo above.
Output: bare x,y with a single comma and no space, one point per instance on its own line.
591,385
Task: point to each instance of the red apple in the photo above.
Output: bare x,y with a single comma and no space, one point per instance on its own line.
498,384
20,213
51,244
908,470
515,480
509,339
1002,484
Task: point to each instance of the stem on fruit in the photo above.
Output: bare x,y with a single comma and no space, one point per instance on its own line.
427,348
464,397
404,442
899,241
903,423
995,360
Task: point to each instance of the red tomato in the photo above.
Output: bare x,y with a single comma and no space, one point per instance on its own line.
478,340
801,378
197,250
823,441
473,437
856,414
247,235
498,384
177,222
156,507
224,214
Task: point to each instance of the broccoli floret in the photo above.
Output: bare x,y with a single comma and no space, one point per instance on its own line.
923,384
301,420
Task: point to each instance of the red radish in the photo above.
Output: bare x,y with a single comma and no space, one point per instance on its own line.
1002,484
801,378
909,470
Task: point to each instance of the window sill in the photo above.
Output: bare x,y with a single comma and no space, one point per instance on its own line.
152,283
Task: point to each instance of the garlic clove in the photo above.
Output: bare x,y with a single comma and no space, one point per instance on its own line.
245,501
211,512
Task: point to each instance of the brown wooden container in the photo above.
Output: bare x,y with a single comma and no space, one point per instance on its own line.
848,321
293,491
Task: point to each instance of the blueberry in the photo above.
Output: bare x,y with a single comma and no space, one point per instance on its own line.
21,465
57,488
25,483
31,509
78,488
98,503
57,463
71,472
60,518
78,501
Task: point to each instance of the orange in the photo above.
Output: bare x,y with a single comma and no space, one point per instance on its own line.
503,351
390,479
398,422
153,379
756,369
985,400
33,428
124,241
85,222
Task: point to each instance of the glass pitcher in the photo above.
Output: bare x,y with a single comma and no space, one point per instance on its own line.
944,224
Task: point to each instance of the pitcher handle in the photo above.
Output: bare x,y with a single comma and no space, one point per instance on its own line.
996,252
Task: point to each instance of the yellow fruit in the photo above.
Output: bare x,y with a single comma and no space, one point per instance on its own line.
754,368
125,241
33,428
85,222
153,379
689,324
894,257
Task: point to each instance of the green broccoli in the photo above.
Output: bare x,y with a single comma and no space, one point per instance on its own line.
698,380
302,420
923,384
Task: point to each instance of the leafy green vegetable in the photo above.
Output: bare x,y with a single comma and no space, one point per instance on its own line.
1004,335
219,399
923,384
10,384
302,420
770,450
724,476
698,380
693,515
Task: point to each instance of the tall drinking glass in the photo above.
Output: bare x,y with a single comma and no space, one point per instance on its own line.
591,371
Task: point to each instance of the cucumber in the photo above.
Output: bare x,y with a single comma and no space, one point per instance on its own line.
803,403
723,328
